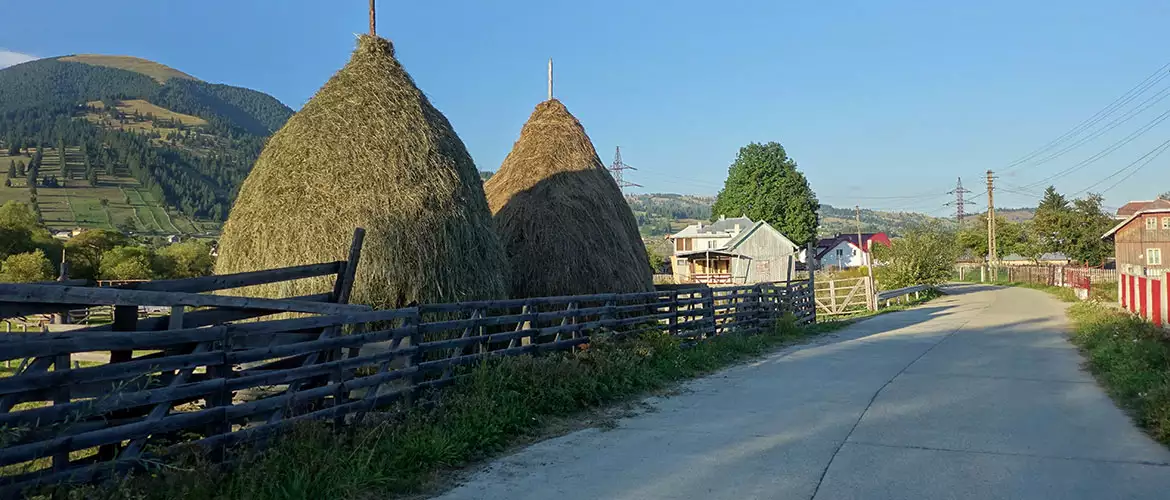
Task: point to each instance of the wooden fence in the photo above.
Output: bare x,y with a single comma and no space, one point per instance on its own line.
193,379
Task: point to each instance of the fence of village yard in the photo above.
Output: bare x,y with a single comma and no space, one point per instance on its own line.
1041,275
200,377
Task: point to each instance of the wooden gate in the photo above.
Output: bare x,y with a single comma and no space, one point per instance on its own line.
844,296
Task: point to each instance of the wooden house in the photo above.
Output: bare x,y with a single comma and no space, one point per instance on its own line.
1142,247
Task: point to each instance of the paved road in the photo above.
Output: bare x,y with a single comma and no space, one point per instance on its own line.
977,395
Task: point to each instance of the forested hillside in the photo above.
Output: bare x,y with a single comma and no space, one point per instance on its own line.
196,165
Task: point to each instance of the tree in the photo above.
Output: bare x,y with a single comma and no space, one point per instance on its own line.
924,255
14,148
92,177
1010,237
26,267
1165,196
20,168
188,259
61,158
11,169
126,263
84,251
1052,225
764,184
1084,244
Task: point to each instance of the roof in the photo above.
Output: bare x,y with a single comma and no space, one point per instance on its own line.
1134,207
709,251
744,235
723,225
1132,217
1046,257
827,244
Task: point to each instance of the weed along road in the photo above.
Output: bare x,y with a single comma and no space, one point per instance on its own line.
975,395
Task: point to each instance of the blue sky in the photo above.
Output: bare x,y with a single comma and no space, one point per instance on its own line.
873,99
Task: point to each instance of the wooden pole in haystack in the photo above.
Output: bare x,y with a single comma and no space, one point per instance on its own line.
550,79
373,30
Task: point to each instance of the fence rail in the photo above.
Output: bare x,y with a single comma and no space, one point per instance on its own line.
195,379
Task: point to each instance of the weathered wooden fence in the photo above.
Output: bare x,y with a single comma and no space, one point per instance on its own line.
193,379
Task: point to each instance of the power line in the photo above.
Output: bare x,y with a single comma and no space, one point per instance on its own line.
1109,109
1156,98
1104,152
1149,157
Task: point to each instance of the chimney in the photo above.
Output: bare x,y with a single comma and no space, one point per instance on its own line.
737,228
722,217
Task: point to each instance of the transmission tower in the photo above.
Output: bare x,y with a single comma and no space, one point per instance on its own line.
960,202
618,168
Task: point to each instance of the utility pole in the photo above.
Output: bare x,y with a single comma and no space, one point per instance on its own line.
960,202
550,79
867,260
992,251
618,168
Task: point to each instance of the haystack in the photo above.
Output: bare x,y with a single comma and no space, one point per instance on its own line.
566,227
369,150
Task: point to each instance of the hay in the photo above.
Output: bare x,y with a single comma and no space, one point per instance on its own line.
368,150
565,225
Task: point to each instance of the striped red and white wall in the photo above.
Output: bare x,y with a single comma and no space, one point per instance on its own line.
1146,296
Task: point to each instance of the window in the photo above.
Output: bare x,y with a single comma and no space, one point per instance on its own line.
1165,222
682,244
1153,256
840,252
710,243
1151,223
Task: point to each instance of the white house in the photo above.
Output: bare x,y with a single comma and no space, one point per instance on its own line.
732,251
844,252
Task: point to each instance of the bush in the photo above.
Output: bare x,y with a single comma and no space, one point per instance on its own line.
925,255
127,263
189,259
26,268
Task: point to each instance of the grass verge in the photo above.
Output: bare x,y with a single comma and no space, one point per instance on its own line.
1130,357
500,404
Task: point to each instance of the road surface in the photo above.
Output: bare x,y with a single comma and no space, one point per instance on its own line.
977,395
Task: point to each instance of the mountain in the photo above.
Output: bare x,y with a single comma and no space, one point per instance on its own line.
119,120
660,214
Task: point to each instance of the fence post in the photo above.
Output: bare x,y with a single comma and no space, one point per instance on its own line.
416,355
809,258
709,318
672,320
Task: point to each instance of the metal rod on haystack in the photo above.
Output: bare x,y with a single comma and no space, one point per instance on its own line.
550,79
373,30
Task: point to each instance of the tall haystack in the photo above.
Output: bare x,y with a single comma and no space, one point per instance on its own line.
369,151
566,227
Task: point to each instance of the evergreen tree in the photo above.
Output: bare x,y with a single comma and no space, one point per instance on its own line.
61,158
20,168
14,148
11,169
92,176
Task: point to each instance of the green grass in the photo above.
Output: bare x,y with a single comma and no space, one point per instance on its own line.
501,404
1130,357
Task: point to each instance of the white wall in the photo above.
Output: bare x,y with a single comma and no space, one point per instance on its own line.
851,256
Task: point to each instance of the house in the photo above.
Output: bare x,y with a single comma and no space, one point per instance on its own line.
843,251
732,251
1046,259
1126,211
1142,248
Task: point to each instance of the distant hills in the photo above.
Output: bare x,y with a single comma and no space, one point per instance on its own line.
138,124
660,214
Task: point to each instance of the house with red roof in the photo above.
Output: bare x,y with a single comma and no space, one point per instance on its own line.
844,250
1133,207
1142,246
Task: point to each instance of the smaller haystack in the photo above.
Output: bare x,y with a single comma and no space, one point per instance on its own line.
566,227
368,150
